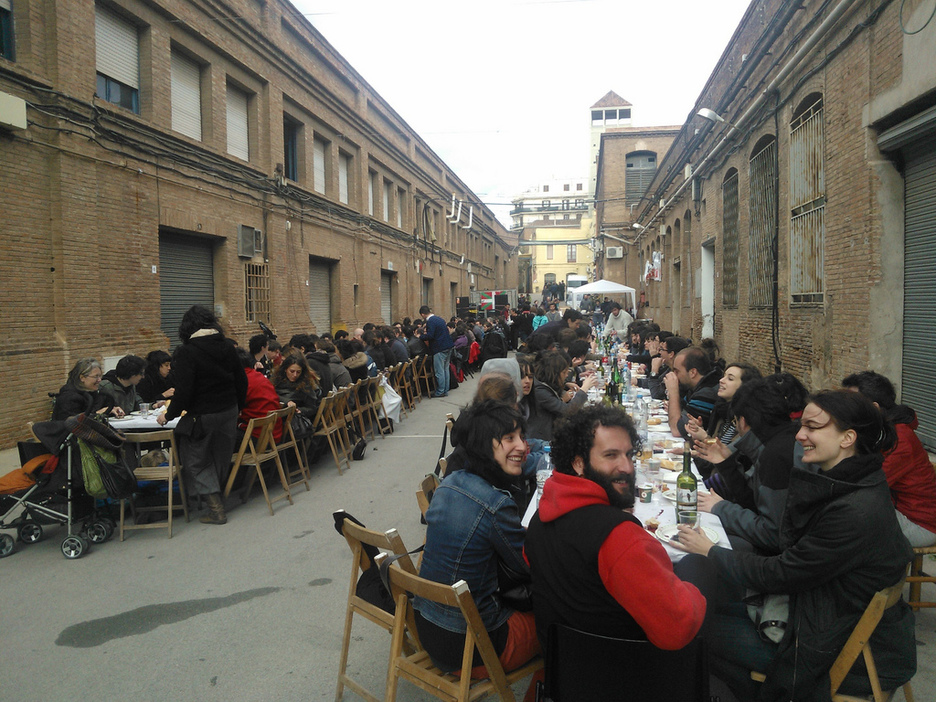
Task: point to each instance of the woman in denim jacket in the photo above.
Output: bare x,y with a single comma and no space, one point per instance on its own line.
473,523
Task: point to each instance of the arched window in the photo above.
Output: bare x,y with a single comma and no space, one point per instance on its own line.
639,168
730,251
763,209
807,202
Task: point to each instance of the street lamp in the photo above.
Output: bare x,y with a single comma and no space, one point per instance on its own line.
713,116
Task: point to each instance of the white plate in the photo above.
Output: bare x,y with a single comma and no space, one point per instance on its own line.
659,428
119,419
665,533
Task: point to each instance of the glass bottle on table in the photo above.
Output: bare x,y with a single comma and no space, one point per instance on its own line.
687,487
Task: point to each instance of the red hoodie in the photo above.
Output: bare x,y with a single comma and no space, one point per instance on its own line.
634,568
911,478
261,400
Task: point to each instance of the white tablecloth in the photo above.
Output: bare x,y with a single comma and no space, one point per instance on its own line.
647,510
137,423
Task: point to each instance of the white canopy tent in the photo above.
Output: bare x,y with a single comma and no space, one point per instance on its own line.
603,287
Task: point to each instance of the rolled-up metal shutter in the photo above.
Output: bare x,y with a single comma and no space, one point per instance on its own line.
386,296
320,294
919,381
186,278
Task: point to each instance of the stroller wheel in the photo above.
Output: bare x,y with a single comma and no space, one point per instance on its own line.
30,532
6,545
74,546
98,532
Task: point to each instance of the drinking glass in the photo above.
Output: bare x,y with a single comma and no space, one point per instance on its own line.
144,409
688,517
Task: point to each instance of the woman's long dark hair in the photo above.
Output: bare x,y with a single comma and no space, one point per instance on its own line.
552,369
852,410
308,379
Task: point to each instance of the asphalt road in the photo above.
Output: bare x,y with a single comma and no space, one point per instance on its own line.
252,610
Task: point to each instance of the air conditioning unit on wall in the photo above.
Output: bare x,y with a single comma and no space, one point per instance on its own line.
615,252
249,241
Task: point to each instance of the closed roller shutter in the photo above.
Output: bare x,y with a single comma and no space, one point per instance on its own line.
320,294
386,296
186,278
237,142
186,96
919,381
117,50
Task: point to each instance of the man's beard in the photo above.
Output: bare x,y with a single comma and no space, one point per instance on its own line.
621,500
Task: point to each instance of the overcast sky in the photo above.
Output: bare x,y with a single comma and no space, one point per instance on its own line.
501,89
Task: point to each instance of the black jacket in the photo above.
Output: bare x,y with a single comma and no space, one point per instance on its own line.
71,401
209,377
840,543
318,361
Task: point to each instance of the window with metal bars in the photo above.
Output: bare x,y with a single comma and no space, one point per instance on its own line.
257,292
763,213
807,203
730,246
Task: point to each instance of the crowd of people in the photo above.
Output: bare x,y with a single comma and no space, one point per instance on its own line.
821,495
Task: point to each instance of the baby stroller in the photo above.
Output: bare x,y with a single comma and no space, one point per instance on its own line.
50,488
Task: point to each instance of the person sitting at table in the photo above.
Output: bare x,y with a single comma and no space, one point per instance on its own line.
259,346
157,385
594,566
756,498
907,466
81,393
297,385
722,424
662,364
840,544
121,383
472,523
339,373
693,375
554,395
353,359
261,399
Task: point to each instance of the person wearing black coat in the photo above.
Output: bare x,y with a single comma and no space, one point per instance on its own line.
211,386
81,392
840,543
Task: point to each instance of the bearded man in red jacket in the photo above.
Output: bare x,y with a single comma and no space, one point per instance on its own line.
594,567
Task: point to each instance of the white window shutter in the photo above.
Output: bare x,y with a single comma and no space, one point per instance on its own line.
318,165
117,47
237,141
344,165
186,96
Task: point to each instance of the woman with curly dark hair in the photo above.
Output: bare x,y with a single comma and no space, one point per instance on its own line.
298,385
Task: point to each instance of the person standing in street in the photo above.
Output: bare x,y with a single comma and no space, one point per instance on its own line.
440,344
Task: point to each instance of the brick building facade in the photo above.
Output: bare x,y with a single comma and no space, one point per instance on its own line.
185,151
800,231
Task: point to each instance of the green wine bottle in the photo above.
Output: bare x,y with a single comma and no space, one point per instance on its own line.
687,490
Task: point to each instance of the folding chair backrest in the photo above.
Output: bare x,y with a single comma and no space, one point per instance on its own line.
858,642
584,666
459,597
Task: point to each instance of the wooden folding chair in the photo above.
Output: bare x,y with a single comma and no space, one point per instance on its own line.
359,539
255,453
300,472
412,381
330,425
168,473
425,375
418,668
859,644
427,488
395,378
917,577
